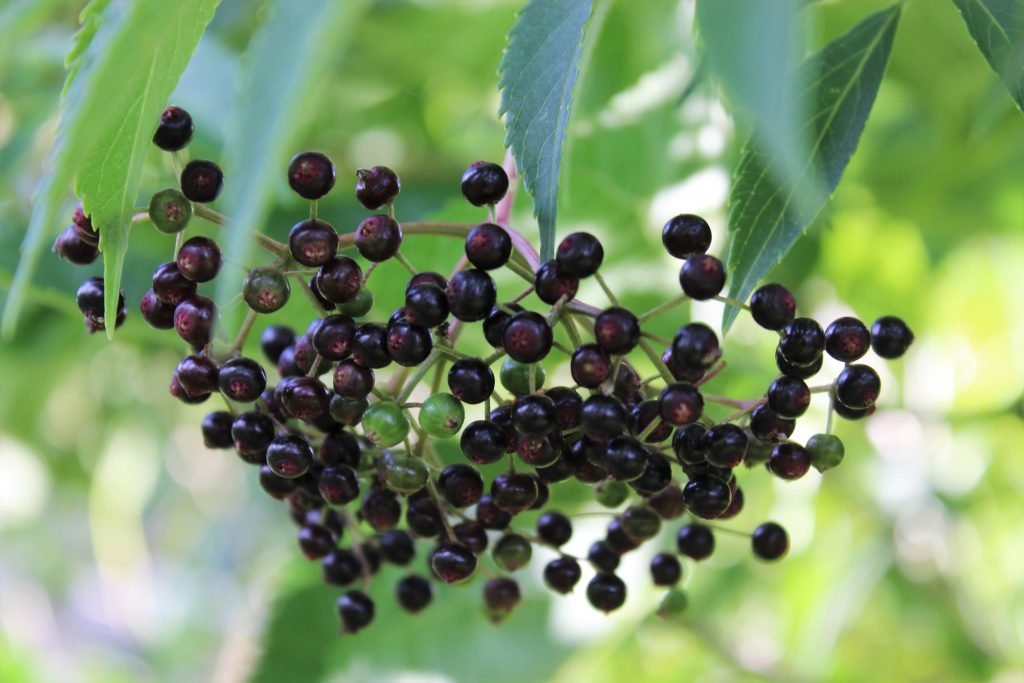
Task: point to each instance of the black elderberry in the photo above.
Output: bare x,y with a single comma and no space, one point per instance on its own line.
696,347
199,259
155,312
217,429
707,497
726,445
802,341
356,610
789,461
890,337
789,396
769,426
460,485
702,277
423,518
527,337
380,509
858,386
562,574
735,505
452,562
617,330
642,418
408,344
484,182
772,306
427,305
413,593
305,398
696,541
847,339
242,379
252,433
72,248
472,535
690,444
378,238
175,129
668,503
551,283
290,456
376,186
501,595
341,567
370,346
590,366
554,528
338,485
514,492
311,174
488,246
534,415
769,541
201,181
84,227
334,336
666,569
680,404
471,295
470,380
798,371
618,540
686,235
568,405
340,448
483,442
339,279
579,255
170,286
315,541
197,375
602,557
490,516
193,320
313,243
90,302
606,592
603,417
848,413
275,486
624,458
560,470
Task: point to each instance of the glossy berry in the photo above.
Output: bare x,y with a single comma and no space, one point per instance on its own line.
624,458
341,567
603,417
554,528
426,304
858,386
242,379
376,186
533,415
470,380
519,378
340,280
313,243
669,503
170,286
696,347
413,593
274,486
484,182
551,283
847,339
289,456
789,461
769,541
217,429
471,295
385,424
644,418
772,306
707,497
315,541
890,337
201,181
579,255
193,320
514,492
334,336
170,211
252,433
408,344
311,174
378,238
72,248
303,397
356,610
696,541
617,330
84,227
789,396
512,552
656,477
175,129
338,485
501,595
568,406
602,557
490,516
460,485
826,451
397,547
680,404
528,337
702,277
352,380
483,442
665,569
380,509
370,346
266,290
769,426
340,448
686,235
488,246
798,371
606,592
199,259
197,375
452,562
690,444
562,574
441,416
726,445
155,312
802,341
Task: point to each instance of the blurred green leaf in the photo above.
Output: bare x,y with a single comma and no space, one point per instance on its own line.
281,74
538,73
998,28
767,217
112,107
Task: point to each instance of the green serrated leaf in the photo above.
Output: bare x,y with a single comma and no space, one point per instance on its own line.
118,82
997,26
299,636
767,216
538,73
286,61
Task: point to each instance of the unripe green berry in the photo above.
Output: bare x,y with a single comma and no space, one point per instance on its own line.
384,424
170,211
402,473
673,604
442,415
359,305
611,493
641,523
515,376
266,290
826,451
512,551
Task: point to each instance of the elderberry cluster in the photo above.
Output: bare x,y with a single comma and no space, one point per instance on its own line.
356,459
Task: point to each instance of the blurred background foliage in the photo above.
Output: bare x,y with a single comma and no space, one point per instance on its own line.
129,552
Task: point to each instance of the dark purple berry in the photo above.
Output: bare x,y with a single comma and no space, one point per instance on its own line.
376,186
193,320
313,243
579,255
470,380
666,570
789,396
789,461
669,503
726,445
333,337
197,375
483,442
551,283
772,306
798,371
562,574
641,418
427,305
769,426
847,339
603,417
696,541
378,238
199,259
702,277
490,516
339,279
680,404
252,433
707,497
484,182
686,235
514,492
338,485
201,181
533,415
695,347
527,337
305,398
616,330
452,562
488,246
370,346
72,248
460,485
624,458
858,386
289,456
769,541
316,541
413,593
690,444
155,312
501,595
175,129
356,610
802,341
472,535
311,174
554,528
217,429
606,592
408,344
242,379
274,486
471,295
890,337
170,286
